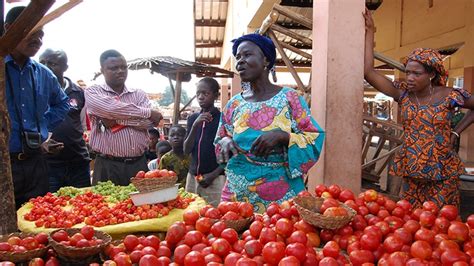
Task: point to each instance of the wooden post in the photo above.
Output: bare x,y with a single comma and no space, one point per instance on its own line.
177,99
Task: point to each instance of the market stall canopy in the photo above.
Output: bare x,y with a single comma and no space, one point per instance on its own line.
169,66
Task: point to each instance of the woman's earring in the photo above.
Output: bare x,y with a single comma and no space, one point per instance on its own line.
273,74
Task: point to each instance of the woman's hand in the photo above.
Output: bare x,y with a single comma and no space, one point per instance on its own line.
267,142
227,146
369,21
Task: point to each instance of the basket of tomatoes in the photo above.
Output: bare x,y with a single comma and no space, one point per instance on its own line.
154,180
324,213
74,244
22,247
235,215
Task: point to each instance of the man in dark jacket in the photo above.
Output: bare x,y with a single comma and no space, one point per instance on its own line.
70,167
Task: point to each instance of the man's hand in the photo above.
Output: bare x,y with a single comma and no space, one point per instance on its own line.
204,117
207,180
156,116
52,147
108,123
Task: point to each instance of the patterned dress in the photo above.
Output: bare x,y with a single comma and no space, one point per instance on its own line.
428,164
171,161
280,176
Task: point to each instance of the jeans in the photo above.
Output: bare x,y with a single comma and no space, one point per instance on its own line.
75,174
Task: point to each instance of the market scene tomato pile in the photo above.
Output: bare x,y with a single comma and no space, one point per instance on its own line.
383,232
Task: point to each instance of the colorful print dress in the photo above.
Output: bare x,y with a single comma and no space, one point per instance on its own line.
426,161
280,176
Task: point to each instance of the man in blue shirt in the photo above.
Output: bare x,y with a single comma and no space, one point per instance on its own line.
36,104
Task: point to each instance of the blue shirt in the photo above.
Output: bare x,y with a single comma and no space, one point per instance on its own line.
51,102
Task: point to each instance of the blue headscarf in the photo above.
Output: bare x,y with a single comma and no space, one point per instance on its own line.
263,42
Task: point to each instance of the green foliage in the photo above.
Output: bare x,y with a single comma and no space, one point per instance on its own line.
168,98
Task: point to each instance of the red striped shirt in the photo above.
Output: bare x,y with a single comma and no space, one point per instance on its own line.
130,108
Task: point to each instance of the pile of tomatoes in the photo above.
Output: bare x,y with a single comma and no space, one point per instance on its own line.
155,173
93,209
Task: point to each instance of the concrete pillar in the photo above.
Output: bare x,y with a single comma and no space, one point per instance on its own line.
337,90
224,93
235,86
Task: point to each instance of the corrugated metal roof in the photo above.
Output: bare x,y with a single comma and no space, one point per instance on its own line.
209,29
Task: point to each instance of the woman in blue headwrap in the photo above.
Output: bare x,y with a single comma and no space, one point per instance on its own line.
266,136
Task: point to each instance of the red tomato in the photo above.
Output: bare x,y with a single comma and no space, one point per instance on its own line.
327,203
405,204
421,249
52,261
246,262
326,235
230,235
328,261
304,193
458,231
30,243
88,232
273,252
230,215
36,262
136,255
345,195
359,223
194,258
450,256
42,238
335,211
369,242
123,259
57,236
392,243
319,189
298,236
176,232
253,248
331,249
449,212
192,238
446,244
289,261
212,258
405,236
267,235
217,228
430,206
297,250
203,225
425,234
130,242
221,247
359,257
313,239
213,213
373,207
470,221
140,174
370,195
204,209
245,209
411,226
255,228
335,190
231,259
284,227
148,260
190,217
427,219
180,253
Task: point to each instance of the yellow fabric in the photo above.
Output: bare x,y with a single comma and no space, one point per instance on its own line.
150,225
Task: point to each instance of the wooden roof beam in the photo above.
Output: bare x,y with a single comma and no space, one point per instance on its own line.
211,44
209,23
210,61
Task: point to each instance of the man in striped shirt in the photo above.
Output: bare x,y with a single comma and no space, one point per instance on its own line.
120,119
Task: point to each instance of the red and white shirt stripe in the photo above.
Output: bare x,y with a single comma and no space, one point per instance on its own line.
130,108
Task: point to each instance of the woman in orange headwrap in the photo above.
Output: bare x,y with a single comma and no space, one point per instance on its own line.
427,162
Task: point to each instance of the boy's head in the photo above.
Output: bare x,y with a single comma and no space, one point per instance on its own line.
176,136
207,92
154,136
162,147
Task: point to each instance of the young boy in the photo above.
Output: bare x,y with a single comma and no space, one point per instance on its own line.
205,176
154,136
175,159
162,147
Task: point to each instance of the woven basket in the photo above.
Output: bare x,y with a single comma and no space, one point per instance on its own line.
17,257
239,225
153,184
78,254
309,206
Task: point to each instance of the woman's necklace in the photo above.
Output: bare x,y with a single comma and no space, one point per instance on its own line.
431,96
